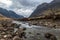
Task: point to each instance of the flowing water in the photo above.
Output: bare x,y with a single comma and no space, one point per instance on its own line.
32,31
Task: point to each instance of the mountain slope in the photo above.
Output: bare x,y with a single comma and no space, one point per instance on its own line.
47,9
2,18
10,14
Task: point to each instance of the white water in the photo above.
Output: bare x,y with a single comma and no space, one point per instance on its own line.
24,24
40,29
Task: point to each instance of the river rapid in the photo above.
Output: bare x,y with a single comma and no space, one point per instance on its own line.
33,30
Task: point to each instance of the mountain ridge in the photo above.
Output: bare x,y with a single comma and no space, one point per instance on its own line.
9,14
42,9
3,18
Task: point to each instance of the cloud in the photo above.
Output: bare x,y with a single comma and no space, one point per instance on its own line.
26,7
22,7
5,3
24,12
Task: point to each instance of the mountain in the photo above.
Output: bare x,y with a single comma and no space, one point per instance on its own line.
47,15
2,17
47,9
9,14
56,1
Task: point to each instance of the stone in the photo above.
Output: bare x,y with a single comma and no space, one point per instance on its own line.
50,36
2,39
16,38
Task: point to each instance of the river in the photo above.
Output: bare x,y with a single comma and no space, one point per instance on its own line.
32,31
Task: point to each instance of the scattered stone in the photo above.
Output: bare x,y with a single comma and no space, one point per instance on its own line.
7,31
38,33
2,39
30,33
50,36
17,38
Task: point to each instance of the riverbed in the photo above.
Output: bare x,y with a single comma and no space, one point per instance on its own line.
37,32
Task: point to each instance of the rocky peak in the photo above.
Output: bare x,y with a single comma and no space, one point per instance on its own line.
56,0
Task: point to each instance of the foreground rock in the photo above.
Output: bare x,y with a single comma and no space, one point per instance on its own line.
50,36
8,31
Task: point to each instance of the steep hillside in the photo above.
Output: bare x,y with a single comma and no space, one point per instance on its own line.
2,18
47,9
46,14
10,14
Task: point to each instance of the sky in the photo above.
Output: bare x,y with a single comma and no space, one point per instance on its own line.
22,7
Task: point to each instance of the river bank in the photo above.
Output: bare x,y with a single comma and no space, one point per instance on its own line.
37,32
17,30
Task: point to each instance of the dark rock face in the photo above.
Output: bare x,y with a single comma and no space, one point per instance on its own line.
10,14
42,9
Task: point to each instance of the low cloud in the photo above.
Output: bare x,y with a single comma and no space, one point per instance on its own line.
5,3
24,12
22,7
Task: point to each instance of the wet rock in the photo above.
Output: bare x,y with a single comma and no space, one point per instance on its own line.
34,23
24,29
2,39
5,36
14,25
30,33
54,26
38,34
7,31
8,36
1,25
50,36
30,24
1,28
17,26
17,38
3,33
21,32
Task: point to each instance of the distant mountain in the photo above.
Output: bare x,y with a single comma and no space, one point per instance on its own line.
39,9
56,0
47,9
9,14
2,17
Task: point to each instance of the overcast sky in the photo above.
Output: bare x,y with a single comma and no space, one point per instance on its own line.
22,7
